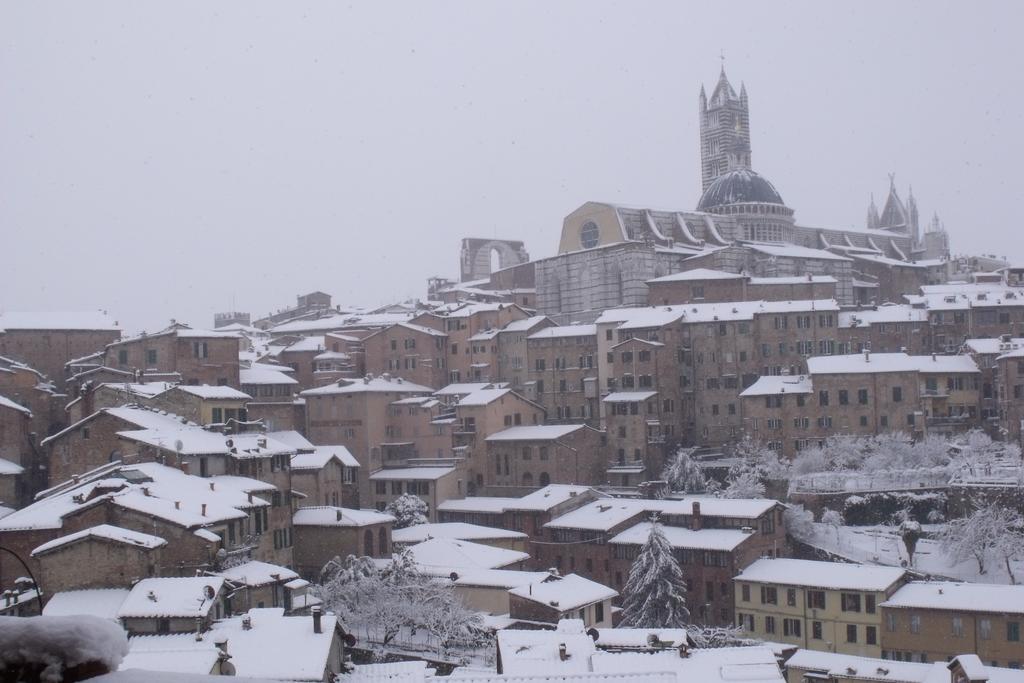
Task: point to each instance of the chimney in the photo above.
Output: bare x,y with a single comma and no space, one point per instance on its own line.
199,629
246,623
212,488
177,505
867,355
204,509
696,521
684,650
933,357
317,627
563,654
338,514
183,466
250,497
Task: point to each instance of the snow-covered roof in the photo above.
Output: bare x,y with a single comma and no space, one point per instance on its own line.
682,537
794,280
144,389
103,532
483,397
794,251
8,403
450,552
540,500
993,346
424,473
57,320
815,574
171,597
276,646
562,331
495,578
291,438
867,363
535,655
256,573
8,468
535,433
457,530
524,324
463,388
770,385
961,597
179,653
251,376
698,274
375,384
843,666
629,396
606,513
622,637
336,516
97,602
600,515
660,316
887,313
713,665
311,343
322,455
214,392
565,593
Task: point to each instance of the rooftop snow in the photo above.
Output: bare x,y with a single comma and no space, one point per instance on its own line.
892,313
565,593
214,392
250,376
563,331
770,385
255,573
97,602
629,396
867,363
322,455
681,537
794,280
698,274
606,513
540,500
794,251
8,403
535,433
830,575
993,346
8,468
376,384
104,532
335,516
313,343
57,320
291,438
483,397
457,530
461,389
170,597
425,473
962,597
450,552
715,665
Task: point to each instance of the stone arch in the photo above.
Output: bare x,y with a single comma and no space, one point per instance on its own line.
368,543
477,261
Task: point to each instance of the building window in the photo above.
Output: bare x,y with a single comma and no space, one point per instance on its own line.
816,599
745,592
890,622
851,633
150,356
1013,631
985,629
871,635
915,623
850,602
791,597
869,604
791,627
769,595
958,627
897,394
769,624
599,612
816,630
862,397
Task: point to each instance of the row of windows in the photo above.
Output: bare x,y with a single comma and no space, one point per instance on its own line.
815,599
421,488
956,627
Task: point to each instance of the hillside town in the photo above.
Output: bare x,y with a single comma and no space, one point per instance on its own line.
704,443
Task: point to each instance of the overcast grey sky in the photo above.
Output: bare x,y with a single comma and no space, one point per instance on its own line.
168,160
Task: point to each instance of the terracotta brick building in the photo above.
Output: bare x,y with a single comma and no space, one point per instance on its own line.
537,455
198,356
323,533
561,373
415,352
47,341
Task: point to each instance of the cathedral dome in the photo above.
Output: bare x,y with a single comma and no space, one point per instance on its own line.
739,186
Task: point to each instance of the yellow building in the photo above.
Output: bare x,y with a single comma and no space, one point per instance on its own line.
826,606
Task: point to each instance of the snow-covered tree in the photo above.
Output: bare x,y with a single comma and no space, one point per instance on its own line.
706,637
683,474
910,531
765,462
408,510
834,519
992,533
799,522
745,484
383,602
655,593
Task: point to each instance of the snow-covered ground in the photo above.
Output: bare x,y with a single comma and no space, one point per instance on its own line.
882,545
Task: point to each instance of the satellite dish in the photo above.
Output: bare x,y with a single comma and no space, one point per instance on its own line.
209,592
229,443
179,446
227,669
349,639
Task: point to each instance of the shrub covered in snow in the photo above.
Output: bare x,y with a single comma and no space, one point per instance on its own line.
60,648
683,474
408,510
992,534
886,507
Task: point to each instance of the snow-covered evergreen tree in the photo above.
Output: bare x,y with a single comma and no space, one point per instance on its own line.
655,593
834,519
408,510
683,474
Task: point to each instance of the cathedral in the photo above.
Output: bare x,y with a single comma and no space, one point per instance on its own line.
740,224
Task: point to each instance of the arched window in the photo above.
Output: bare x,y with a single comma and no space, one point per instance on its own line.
545,479
527,479
382,541
368,543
